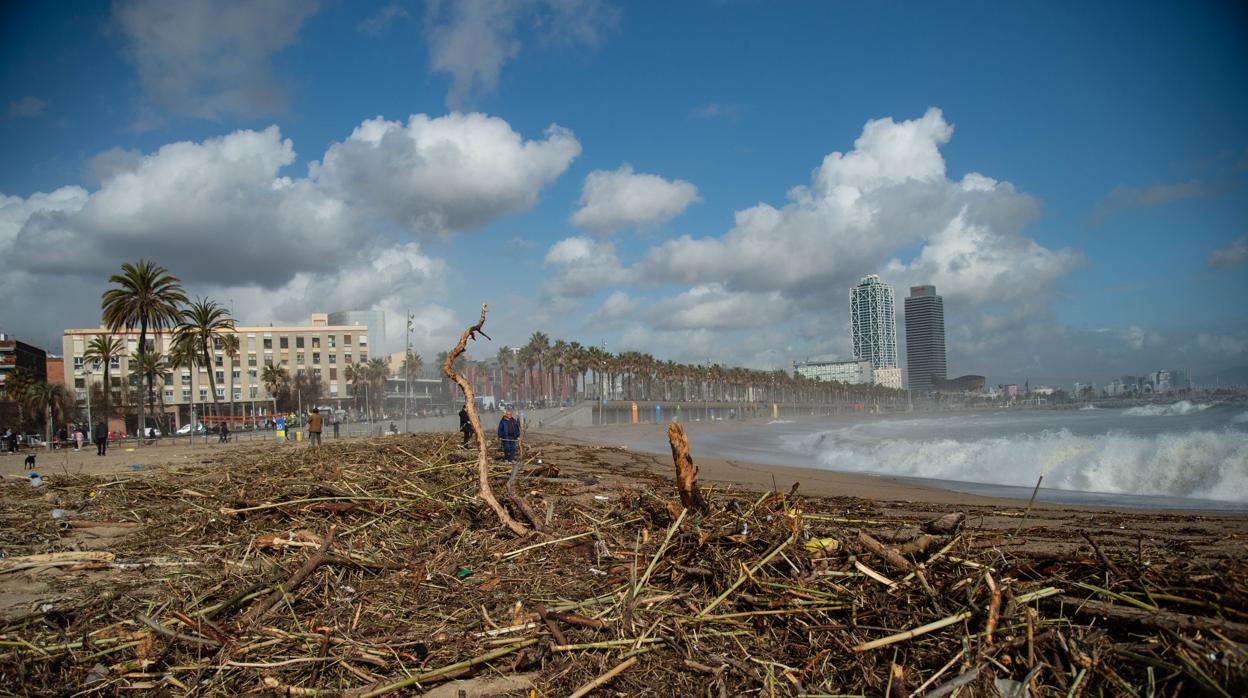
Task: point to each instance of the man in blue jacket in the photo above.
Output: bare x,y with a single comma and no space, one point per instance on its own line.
508,435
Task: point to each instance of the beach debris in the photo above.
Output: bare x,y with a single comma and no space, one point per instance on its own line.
686,472
232,578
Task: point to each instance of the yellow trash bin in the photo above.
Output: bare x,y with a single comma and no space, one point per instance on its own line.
298,436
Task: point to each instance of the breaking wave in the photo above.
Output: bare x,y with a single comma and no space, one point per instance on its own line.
1195,464
1178,408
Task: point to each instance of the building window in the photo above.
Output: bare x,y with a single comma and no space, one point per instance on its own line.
80,383
217,361
238,393
333,389
216,342
251,359
283,342
363,357
333,358
236,374
186,378
299,359
251,376
220,393
299,342
268,343
363,340
253,392
333,374
168,396
331,341
316,357
203,394
285,362
316,372
346,358
316,342
220,376
346,340
77,363
168,379
114,363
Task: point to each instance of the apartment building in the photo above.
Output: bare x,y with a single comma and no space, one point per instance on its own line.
317,348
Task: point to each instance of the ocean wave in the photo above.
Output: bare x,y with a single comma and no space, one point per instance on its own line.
1197,464
1087,408
1179,408
1240,418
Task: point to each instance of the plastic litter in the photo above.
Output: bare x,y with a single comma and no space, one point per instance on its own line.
35,480
58,513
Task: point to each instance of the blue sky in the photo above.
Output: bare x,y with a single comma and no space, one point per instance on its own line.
1102,229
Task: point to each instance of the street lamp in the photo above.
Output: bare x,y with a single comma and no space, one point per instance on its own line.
407,371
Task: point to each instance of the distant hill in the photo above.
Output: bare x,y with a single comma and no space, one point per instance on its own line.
1235,375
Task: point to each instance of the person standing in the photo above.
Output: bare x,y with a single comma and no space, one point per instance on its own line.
314,427
465,425
101,438
77,438
336,421
508,435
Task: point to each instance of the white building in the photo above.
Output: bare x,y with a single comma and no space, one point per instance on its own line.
853,372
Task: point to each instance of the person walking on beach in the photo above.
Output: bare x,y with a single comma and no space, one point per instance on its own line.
101,438
508,435
315,423
465,425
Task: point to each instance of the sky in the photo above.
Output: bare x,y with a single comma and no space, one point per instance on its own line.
702,181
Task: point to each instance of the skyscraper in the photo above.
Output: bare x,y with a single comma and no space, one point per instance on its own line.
925,338
874,328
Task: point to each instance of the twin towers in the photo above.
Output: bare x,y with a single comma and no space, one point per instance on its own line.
874,333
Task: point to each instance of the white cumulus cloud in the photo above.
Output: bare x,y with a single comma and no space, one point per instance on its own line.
452,172
582,266
712,307
614,199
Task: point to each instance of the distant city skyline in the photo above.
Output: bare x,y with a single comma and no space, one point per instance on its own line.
697,180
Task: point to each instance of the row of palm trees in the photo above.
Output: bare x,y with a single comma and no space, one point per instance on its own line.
552,372
49,402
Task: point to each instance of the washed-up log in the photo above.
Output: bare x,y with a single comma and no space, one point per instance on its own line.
470,404
883,552
686,472
72,557
1165,620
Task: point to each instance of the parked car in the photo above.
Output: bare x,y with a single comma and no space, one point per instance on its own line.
186,429
114,435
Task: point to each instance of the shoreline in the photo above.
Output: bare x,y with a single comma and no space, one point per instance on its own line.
752,473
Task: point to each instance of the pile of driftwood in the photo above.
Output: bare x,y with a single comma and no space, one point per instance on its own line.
370,567
373,567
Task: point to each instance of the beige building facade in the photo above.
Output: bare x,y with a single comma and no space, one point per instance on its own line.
317,348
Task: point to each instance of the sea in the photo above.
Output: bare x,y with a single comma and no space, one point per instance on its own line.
1183,455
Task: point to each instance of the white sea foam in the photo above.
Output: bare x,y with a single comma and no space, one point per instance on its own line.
1087,408
1198,464
1240,418
1178,408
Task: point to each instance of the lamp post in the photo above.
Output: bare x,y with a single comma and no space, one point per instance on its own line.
407,371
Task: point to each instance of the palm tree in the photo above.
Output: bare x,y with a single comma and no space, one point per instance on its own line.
184,354
104,348
49,399
505,359
539,346
376,373
229,347
152,366
146,296
355,374
16,385
274,376
202,321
